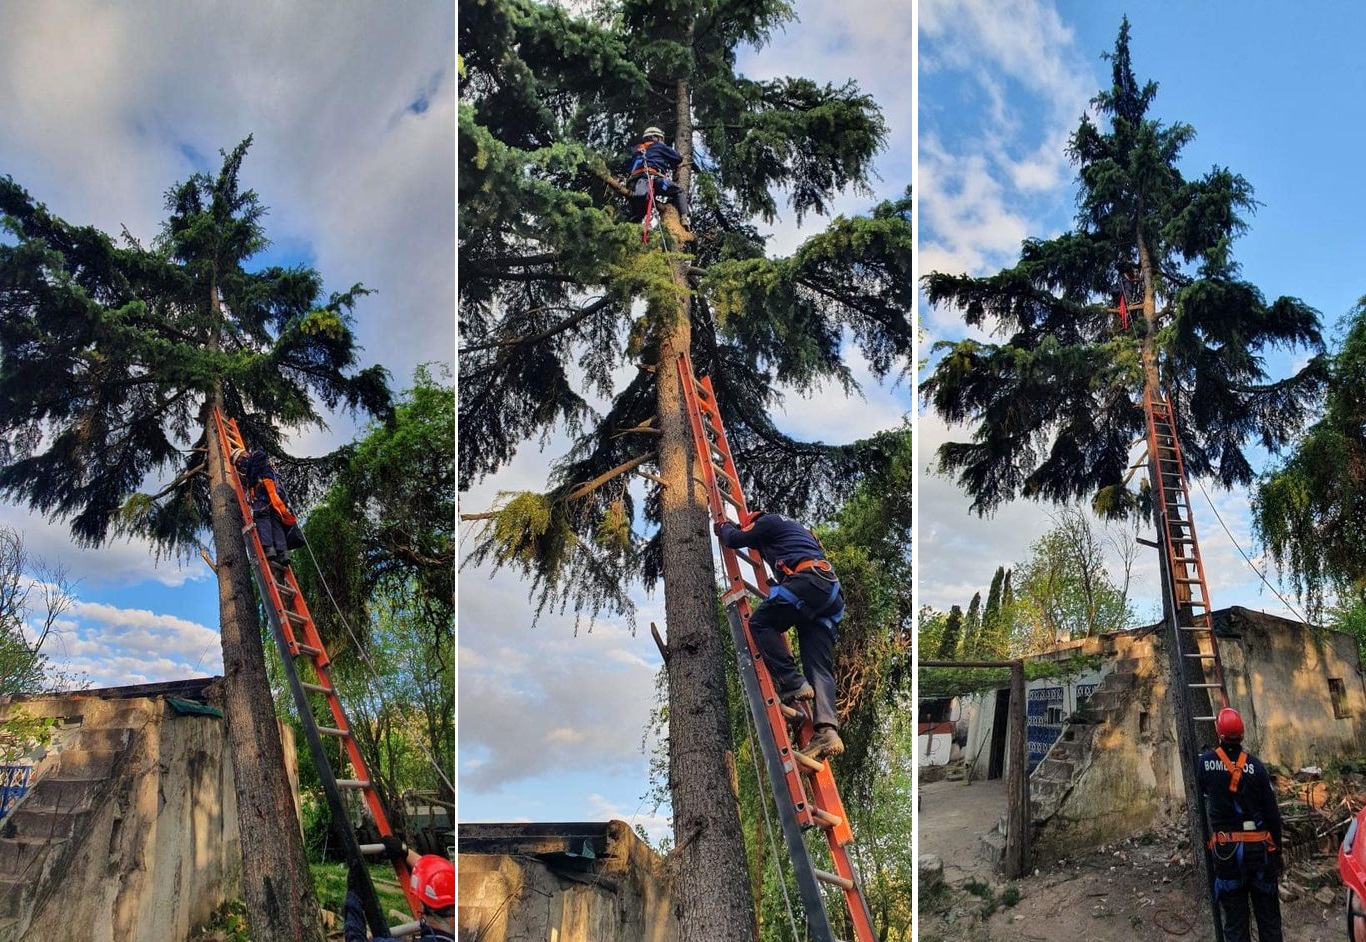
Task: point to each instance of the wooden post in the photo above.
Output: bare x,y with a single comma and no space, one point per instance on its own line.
1017,779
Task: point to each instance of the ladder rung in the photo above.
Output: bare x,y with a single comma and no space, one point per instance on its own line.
834,879
308,649
284,587
371,848
1190,581
806,762
296,617
826,819
1206,686
730,500
316,688
332,731
353,783
1203,657
1192,628
787,711
753,588
1207,719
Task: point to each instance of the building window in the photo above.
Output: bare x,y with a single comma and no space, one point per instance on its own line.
1054,716
1338,691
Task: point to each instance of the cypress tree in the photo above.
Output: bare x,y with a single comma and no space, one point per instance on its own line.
953,634
559,295
1058,402
112,357
972,627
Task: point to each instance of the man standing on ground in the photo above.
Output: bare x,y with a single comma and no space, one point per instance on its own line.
807,595
1245,850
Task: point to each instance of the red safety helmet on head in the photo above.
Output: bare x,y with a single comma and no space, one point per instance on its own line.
1228,724
749,516
433,881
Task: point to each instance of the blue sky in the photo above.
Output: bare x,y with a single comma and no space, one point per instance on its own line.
551,724
1002,85
353,116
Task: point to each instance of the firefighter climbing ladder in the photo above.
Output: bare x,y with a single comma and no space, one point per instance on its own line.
803,789
296,636
1203,676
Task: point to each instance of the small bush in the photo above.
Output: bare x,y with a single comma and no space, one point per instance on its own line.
1010,896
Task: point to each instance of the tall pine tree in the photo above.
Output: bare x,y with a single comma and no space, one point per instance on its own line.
1058,401
112,357
558,293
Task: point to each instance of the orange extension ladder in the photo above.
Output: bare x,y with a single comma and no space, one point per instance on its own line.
296,636
803,789
1204,673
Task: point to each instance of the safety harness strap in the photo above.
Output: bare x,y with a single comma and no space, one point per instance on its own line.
820,565
1242,837
1235,771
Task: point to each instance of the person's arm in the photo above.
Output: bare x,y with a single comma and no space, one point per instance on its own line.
1271,812
735,537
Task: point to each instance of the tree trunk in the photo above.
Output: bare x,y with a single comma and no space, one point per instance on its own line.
1178,697
714,903
276,884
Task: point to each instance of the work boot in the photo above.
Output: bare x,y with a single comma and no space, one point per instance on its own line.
804,692
825,744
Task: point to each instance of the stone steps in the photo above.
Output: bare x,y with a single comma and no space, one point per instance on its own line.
42,823
21,855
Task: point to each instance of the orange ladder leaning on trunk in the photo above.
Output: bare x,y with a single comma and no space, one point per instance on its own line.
296,636
803,789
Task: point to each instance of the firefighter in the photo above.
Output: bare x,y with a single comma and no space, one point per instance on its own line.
432,880
652,165
807,595
269,510
1245,849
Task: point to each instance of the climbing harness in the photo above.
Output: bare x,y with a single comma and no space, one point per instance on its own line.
804,790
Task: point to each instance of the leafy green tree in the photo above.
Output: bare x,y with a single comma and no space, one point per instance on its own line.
381,545
1310,512
112,356
559,294
1058,401
1066,590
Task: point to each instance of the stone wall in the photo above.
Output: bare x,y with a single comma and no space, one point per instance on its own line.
565,883
156,849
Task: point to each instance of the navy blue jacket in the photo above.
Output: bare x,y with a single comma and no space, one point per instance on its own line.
778,539
657,155
1254,801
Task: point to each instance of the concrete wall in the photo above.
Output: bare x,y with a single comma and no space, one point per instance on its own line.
159,851
622,896
1277,676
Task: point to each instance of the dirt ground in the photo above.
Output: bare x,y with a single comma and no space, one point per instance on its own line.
1143,889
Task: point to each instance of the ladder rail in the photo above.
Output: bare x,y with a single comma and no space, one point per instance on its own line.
278,611
789,772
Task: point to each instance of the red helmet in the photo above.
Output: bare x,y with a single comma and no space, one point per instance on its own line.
749,516
433,880
1228,724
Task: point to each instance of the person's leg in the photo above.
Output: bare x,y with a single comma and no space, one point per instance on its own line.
768,624
1266,906
1233,903
818,663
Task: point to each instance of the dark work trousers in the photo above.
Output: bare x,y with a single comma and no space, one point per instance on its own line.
1266,906
770,623
270,529
665,191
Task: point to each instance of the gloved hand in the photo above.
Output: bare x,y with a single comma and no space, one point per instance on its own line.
393,848
716,527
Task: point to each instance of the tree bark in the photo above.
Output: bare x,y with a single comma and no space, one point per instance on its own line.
277,887
713,891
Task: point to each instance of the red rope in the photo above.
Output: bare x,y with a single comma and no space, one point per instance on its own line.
649,209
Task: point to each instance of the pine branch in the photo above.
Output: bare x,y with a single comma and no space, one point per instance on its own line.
589,487
569,322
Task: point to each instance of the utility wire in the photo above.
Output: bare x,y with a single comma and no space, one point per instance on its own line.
1246,559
